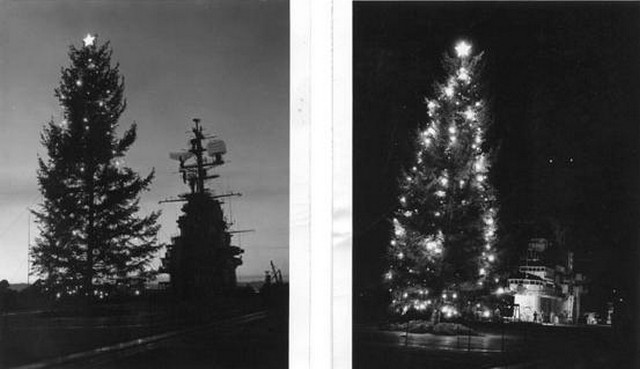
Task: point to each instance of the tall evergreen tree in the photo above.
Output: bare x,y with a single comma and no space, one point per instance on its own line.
442,249
90,232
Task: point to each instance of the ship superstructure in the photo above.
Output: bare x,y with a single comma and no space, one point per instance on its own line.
201,260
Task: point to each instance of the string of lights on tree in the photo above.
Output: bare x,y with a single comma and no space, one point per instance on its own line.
442,250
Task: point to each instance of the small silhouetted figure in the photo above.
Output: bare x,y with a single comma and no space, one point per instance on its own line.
218,159
192,183
535,316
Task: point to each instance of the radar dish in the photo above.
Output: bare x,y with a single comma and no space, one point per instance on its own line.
216,147
180,156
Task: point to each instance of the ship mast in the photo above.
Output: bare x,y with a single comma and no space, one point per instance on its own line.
196,173
197,150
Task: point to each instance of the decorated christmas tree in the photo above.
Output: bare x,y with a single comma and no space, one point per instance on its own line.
90,233
441,253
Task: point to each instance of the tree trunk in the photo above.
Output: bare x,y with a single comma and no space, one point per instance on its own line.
88,277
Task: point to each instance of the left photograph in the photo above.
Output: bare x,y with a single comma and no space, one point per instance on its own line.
144,200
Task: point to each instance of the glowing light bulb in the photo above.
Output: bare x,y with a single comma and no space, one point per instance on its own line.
470,114
78,82
478,166
430,245
463,74
491,258
463,49
399,231
400,255
455,295
448,91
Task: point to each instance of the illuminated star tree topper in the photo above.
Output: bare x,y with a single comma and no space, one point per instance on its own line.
89,40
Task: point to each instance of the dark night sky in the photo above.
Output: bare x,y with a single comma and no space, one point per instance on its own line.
564,84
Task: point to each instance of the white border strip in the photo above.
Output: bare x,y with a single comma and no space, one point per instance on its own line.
321,215
321,185
299,175
342,184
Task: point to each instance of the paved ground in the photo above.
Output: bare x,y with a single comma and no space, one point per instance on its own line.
488,342
260,344
41,339
524,346
256,340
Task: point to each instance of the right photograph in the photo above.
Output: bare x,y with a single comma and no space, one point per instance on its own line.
495,184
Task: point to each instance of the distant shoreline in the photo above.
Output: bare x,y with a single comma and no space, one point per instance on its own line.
254,280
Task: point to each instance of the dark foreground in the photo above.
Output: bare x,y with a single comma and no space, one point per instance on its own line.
496,346
247,335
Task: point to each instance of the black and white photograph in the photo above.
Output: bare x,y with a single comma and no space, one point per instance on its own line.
144,191
495,184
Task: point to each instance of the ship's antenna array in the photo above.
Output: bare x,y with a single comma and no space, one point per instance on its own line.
195,165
